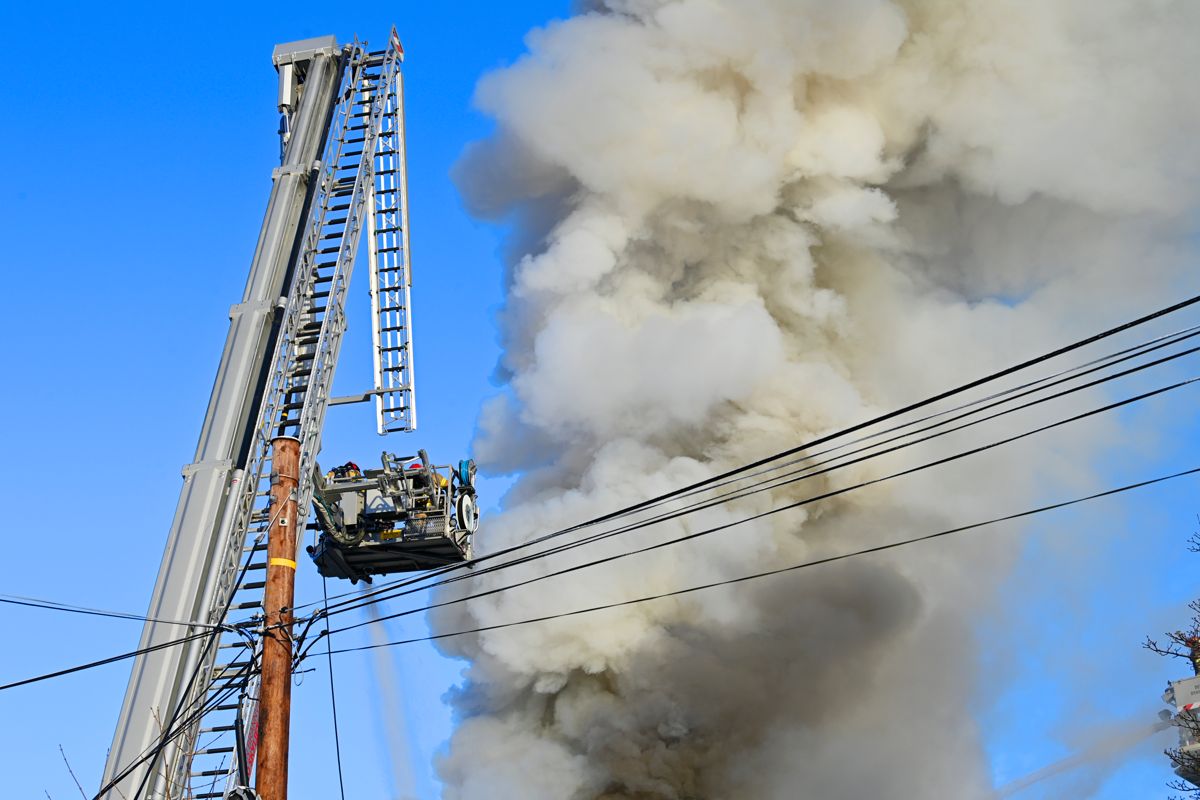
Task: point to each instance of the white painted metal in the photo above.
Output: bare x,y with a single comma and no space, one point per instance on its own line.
391,273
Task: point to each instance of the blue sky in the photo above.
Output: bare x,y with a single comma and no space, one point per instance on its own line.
140,142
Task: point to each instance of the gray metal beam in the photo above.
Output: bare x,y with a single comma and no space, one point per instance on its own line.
184,589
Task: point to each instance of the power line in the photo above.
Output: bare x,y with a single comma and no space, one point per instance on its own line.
337,739
209,644
51,605
911,407
780,509
102,662
781,482
995,399
825,467
195,711
781,570
716,480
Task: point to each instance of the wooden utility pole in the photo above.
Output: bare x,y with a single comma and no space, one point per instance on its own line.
275,692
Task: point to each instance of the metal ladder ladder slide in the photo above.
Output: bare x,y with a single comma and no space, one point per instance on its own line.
391,275
294,404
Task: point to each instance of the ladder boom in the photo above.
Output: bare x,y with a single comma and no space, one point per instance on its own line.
342,172
184,589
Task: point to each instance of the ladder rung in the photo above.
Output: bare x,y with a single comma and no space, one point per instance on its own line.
390,308
209,773
394,409
218,729
245,587
248,604
388,230
213,751
393,349
391,328
235,682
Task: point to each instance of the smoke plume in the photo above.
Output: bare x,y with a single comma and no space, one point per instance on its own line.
739,224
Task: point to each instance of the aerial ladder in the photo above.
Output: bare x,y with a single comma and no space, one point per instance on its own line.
188,724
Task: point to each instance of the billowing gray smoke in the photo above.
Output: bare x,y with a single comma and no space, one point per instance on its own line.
743,223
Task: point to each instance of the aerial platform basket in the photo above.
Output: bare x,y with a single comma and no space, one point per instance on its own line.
409,515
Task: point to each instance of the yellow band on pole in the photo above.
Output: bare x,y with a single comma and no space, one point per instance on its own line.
282,562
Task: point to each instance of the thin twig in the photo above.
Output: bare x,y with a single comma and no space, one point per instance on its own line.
82,793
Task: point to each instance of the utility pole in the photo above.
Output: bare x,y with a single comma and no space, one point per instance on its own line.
275,693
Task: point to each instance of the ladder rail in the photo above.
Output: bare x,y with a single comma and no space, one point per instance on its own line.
391,275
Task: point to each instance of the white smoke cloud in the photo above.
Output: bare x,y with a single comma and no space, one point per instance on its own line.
738,225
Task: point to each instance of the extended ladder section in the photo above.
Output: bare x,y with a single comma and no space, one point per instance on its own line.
215,724
391,276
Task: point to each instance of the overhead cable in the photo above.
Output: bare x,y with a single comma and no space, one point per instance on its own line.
783,481
768,573
745,468
102,662
205,654
193,713
51,605
337,739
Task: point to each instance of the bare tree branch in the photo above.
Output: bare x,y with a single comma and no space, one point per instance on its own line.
82,793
